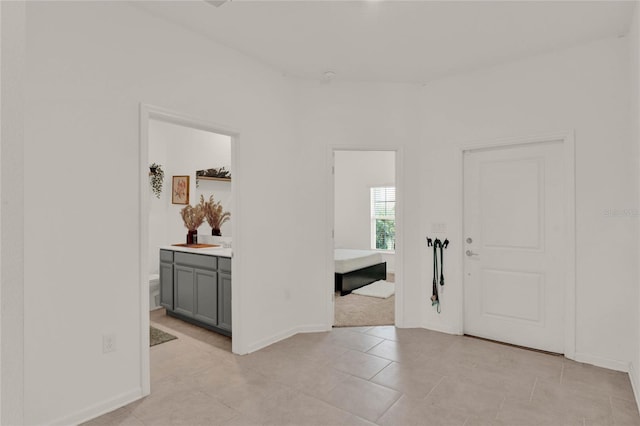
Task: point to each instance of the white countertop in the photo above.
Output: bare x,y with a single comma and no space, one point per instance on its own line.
214,251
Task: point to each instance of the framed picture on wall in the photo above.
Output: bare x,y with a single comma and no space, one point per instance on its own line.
180,190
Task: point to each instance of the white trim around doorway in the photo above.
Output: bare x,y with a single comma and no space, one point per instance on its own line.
148,112
330,214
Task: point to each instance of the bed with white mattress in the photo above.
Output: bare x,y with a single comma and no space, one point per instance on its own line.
357,268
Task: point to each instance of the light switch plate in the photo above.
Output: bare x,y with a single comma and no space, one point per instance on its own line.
108,343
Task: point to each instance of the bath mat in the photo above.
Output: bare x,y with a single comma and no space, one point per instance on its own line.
382,289
158,336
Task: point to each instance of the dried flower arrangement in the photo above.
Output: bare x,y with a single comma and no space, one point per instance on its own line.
214,214
156,178
192,216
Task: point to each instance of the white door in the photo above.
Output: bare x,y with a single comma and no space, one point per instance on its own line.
514,229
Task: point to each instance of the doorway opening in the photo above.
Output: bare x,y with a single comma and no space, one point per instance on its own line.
193,297
187,157
364,237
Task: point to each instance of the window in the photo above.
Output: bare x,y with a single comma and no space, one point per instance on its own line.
383,218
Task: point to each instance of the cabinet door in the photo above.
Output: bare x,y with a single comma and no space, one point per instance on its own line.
224,300
166,285
183,294
206,300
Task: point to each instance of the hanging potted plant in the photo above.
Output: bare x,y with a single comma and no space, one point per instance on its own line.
156,178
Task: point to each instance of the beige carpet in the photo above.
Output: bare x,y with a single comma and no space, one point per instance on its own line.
353,310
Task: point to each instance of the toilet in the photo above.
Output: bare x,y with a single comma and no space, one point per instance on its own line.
154,292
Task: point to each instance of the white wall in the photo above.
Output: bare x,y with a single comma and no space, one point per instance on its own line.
586,90
181,151
350,116
12,59
83,85
356,172
633,38
89,65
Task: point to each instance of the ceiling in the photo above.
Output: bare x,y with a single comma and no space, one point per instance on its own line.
397,41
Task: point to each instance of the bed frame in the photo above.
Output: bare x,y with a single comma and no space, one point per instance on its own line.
349,281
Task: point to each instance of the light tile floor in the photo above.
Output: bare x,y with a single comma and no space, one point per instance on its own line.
370,375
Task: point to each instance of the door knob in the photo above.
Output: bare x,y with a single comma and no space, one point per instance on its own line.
469,240
470,253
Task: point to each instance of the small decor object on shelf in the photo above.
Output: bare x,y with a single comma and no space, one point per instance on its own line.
213,174
214,214
220,173
192,218
156,178
180,190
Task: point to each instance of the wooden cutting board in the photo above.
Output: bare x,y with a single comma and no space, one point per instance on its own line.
196,245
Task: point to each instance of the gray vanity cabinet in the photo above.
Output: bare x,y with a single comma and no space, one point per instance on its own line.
224,300
166,279
201,290
206,300
183,291
224,293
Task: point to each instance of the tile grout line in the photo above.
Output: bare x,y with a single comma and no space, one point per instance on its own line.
390,406
611,406
378,372
504,399
375,346
533,389
331,389
433,388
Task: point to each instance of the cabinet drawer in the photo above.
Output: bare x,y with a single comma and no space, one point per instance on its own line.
166,256
224,264
197,260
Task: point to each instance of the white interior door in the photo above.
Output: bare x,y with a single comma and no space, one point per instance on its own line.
514,265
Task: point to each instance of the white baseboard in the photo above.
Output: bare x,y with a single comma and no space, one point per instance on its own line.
313,328
633,376
408,324
442,328
99,409
611,364
285,335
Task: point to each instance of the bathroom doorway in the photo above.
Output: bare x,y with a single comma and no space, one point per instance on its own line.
196,166
190,153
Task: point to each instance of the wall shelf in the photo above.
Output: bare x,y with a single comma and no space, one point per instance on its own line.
213,178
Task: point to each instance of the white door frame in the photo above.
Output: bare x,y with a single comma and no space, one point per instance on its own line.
399,252
568,143
148,112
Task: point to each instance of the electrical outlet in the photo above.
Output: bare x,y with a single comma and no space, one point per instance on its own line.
108,343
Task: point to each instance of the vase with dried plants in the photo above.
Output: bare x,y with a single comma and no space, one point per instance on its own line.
193,218
214,214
